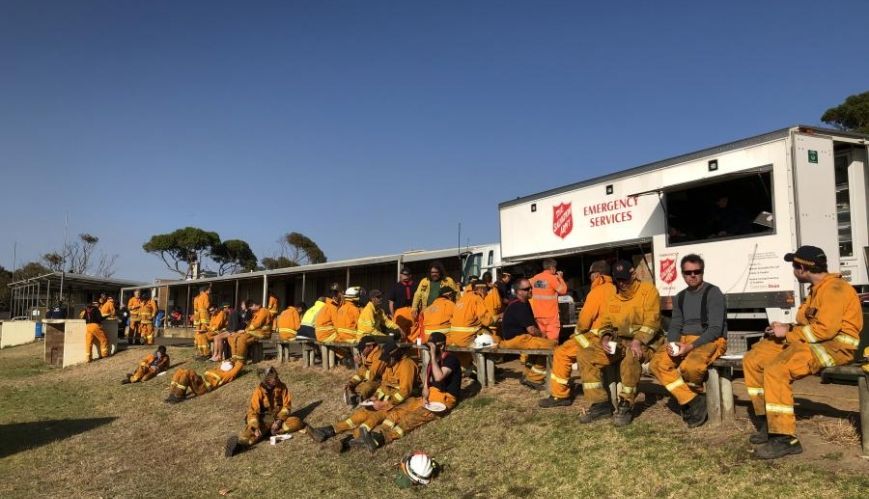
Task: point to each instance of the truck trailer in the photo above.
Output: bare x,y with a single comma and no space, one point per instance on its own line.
741,206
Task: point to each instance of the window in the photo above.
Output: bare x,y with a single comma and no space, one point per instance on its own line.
843,206
735,207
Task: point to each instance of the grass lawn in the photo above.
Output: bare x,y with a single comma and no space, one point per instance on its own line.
78,432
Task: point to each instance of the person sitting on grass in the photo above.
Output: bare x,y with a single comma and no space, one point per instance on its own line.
212,379
150,366
440,393
268,414
397,383
366,379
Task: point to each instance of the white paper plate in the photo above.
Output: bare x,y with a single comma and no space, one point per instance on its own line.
435,406
367,403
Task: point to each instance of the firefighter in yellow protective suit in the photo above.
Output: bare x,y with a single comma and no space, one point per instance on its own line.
366,379
495,304
108,308
268,414
273,308
259,328
438,316
827,333
469,315
430,288
632,321
347,318
216,325
133,306
519,331
442,384
150,366
94,331
396,386
373,320
288,323
212,379
587,331
201,318
147,312
324,324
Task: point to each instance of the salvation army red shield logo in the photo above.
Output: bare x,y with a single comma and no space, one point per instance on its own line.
668,270
562,220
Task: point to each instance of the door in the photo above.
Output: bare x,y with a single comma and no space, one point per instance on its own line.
815,195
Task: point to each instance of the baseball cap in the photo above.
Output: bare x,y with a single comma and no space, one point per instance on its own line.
622,270
599,266
811,256
389,349
437,338
405,270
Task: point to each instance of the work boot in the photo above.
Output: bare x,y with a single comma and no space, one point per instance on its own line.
230,446
761,436
342,445
320,434
623,415
695,413
779,446
598,410
532,385
372,439
126,380
554,402
173,399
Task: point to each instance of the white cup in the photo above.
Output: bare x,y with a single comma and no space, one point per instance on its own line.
273,440
611,347
674,349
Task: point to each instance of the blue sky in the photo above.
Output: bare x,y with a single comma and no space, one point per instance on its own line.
376,127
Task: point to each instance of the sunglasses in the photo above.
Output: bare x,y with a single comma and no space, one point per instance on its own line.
692,272
525,289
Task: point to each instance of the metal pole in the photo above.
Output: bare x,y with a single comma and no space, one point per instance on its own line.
348,279
235,302
187,307
303,286
265,289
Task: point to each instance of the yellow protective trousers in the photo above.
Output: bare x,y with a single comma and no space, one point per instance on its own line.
536,373
366,389
133,332
143,373
203,345
462,337
594,359
360,417
684,376
248,435
187,379
413,414
562,363
146,329
239,343
93,332
772,365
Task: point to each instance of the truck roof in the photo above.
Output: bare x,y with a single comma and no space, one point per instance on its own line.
739,144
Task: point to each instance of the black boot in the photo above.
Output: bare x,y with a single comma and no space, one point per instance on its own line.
695,413
554,402
597,411
341,445
779,446
320,434
761,436
623,415
230,446
126,379
372,439
532,385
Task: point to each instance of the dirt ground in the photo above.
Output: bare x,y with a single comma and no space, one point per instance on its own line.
78,432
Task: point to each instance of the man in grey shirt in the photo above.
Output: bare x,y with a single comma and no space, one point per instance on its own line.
697,336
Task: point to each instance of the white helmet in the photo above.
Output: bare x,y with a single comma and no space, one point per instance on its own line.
418,467
226,366
352,293
483,341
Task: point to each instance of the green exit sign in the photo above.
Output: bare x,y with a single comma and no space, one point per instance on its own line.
813,156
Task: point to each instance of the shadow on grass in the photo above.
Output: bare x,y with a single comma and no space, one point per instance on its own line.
16,437
306,411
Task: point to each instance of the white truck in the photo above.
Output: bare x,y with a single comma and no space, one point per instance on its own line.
740,205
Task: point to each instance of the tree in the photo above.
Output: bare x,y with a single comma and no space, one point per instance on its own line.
5,279
78,257
183,246
54,260
233,256
279,262
851,115
301,249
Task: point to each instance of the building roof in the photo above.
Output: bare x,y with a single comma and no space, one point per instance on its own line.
72,278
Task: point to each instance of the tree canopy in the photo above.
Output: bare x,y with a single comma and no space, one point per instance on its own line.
301,249
851,115
182,247
279,262
79,256
232,256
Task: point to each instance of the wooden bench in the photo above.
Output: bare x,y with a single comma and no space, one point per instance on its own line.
488,357
258,350
720,401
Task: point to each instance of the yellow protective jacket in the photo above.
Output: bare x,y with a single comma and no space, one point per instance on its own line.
371,369
133,305
200,310
160,366
592,314
218,321
438,316
273,306
347,318
420,298
260,324
469,314
277,402
373,320
493,302
324,324
636,314
830,319
108,309
398,381
310,316
148,311
289,321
